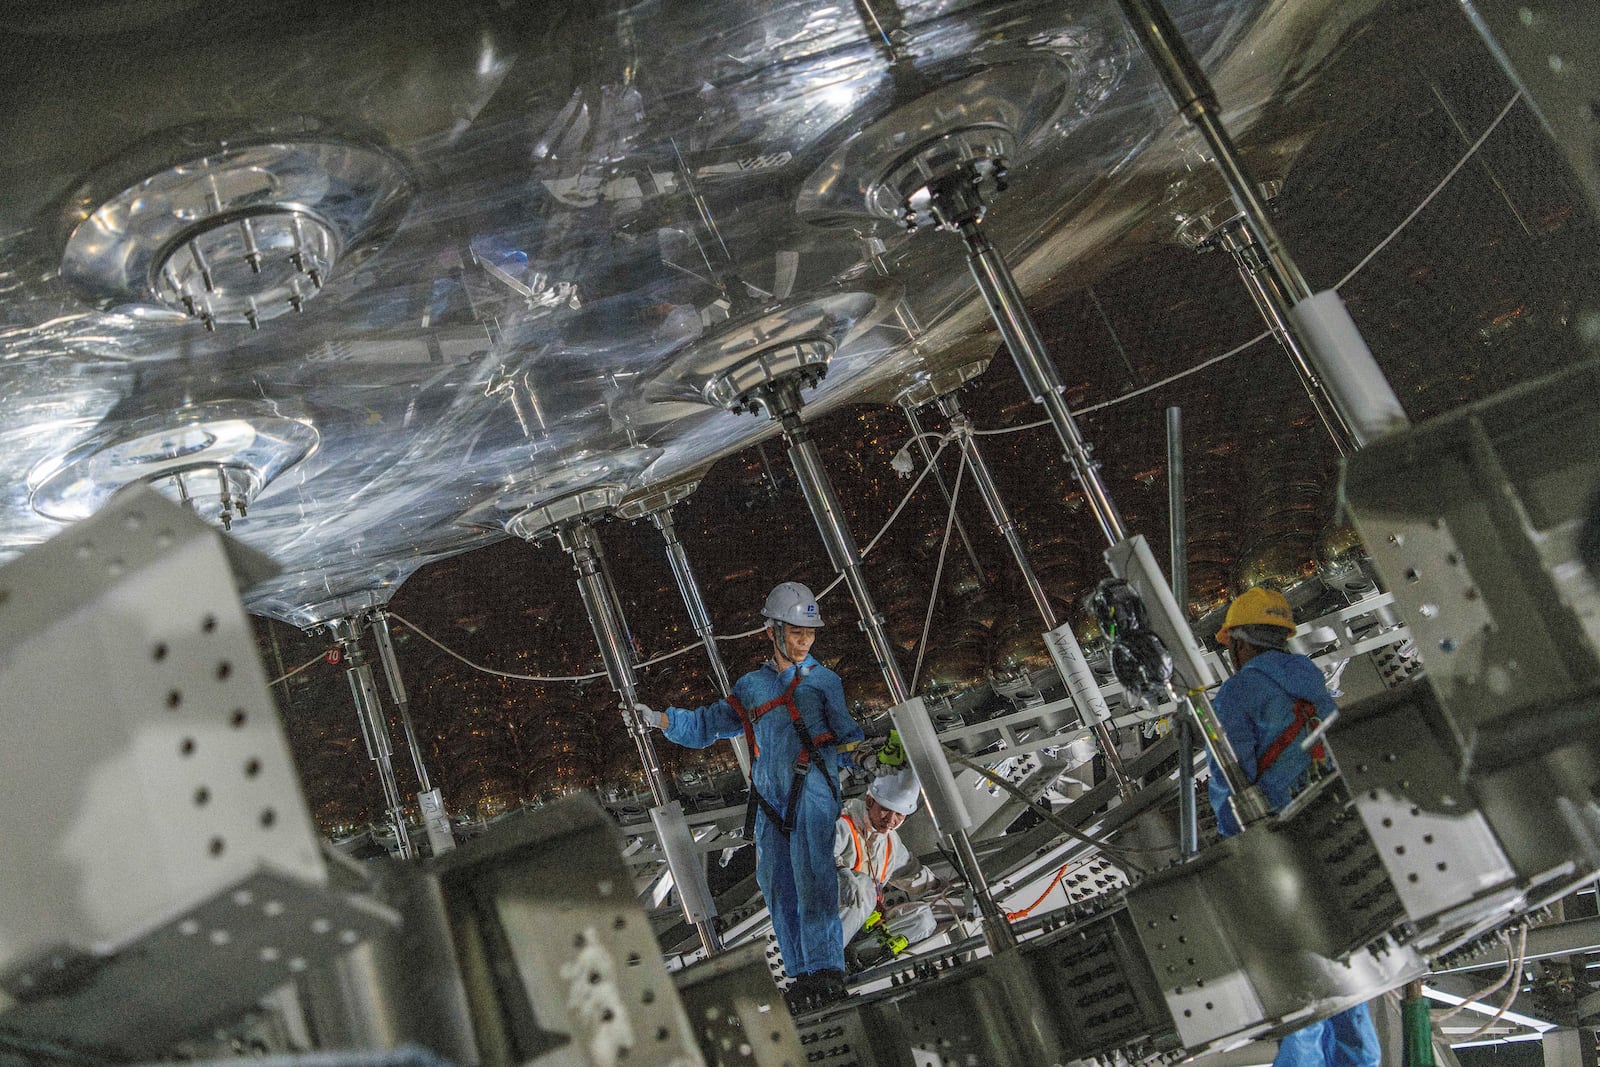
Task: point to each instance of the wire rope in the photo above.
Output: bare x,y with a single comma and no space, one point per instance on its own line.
938,571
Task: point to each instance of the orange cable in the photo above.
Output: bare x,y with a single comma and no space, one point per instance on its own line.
1013,916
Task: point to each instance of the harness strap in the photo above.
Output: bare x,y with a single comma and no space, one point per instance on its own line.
803,762
1305,717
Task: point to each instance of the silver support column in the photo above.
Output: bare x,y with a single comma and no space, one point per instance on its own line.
961,206
961,423
1270,299
1038,372
783,402
1188,809
374,726
1355,388
699,617
944,490
578,539
435,820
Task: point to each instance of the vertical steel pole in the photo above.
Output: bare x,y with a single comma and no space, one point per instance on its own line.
782,400
961,423
1273,303
430,802
1038,372
578,538
1188,810
397,689
374,728
1355,388
699,617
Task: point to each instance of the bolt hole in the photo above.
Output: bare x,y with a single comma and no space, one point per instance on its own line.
662,1033
268,818
223,670
186,746
216,846
1412,575
202,796
647,997
174,698
252,767
237,719
208,624
159,653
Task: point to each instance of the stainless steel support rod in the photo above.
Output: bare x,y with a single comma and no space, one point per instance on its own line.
961,423
699,617
1175,508
600,601
578,539
1188,813
1273,303
1364,403
1188,807
783,403
1038,373
374,727
944,489
397,689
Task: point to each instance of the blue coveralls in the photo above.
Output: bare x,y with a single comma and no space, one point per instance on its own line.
795,872
1255,707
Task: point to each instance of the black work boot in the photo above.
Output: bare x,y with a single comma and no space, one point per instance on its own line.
800,993
830,988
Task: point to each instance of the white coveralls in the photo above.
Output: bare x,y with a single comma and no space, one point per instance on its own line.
867,861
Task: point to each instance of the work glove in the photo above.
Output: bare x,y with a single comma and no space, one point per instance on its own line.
641,715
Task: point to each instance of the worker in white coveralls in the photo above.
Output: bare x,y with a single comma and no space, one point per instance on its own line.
870,858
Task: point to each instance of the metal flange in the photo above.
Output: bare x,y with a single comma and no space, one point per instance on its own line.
606,470
656,499
966,126
929,385
1201,231
247,231
215,459
537,523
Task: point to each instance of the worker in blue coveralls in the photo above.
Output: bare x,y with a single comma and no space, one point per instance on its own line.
792,713
1266,709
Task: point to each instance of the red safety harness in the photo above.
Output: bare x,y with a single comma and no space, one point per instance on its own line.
810,756
1305,718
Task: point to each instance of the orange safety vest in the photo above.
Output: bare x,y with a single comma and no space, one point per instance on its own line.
861,851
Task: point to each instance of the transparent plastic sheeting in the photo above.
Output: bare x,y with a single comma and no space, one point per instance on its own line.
377,278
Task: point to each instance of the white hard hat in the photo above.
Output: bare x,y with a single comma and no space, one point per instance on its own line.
792,603
897,792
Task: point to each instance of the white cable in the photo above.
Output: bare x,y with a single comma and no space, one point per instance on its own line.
1340,284
1489,990
1516,986
926,470
1011,429
304,666
441,646
938,572
904,500
1437,189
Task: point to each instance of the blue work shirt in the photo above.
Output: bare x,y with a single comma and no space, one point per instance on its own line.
820,697
1255,707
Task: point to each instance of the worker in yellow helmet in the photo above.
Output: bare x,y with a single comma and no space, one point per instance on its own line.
1275,697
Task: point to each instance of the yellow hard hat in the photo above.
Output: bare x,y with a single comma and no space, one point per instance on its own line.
1257,607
